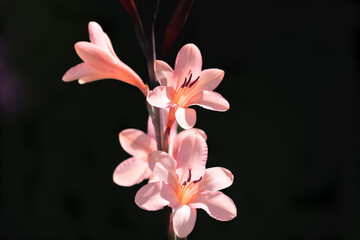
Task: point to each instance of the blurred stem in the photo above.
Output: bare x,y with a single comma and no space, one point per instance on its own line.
145,34
144,30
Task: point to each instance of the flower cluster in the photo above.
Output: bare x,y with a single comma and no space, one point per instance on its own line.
177,177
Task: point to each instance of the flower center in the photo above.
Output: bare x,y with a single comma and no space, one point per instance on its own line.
185,88
187,189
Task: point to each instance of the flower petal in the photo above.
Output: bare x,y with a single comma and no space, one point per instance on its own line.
210,100
216,204
108,65
79,71
150,196
184,218
209,79
192,155
160,97
95,56
150,128
99,55
164,167
91,78
215,178
186,117
181,136
137,143
100,38
153,178
167,191
173,130
130,172
124,73
188,59
164,73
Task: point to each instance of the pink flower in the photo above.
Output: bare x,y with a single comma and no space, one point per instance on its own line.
187,85
139,144
100,61
186,185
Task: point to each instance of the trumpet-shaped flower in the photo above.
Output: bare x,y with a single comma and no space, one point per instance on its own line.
139,144
186,185
100,61
187,85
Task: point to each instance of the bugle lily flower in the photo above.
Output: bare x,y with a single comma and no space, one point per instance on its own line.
187,85
100,61
186,185
139,144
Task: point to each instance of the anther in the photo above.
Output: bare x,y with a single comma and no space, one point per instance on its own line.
184,83
189,80
189,178
184,183
195,81
196,181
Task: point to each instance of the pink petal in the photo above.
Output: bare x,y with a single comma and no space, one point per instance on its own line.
188,59
184,218
79,71
164,167
216,204
137,143
167,191
181,136
100,61
153,178
209,79
124,73
192,155
164,73
160,97
107,65
131,171
215,178
150,128
210,100
91,78
173,133
150,196
186,117
95,57
100,38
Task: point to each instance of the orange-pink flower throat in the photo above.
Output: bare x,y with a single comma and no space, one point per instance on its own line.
182,91
187,189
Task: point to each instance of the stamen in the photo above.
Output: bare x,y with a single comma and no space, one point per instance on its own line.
189,72
188,81
189,178
184,183
196,181
184,83
195,81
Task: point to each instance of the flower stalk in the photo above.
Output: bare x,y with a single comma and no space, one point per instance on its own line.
172,162
146,36
144,30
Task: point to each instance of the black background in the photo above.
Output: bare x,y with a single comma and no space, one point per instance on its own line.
291,136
